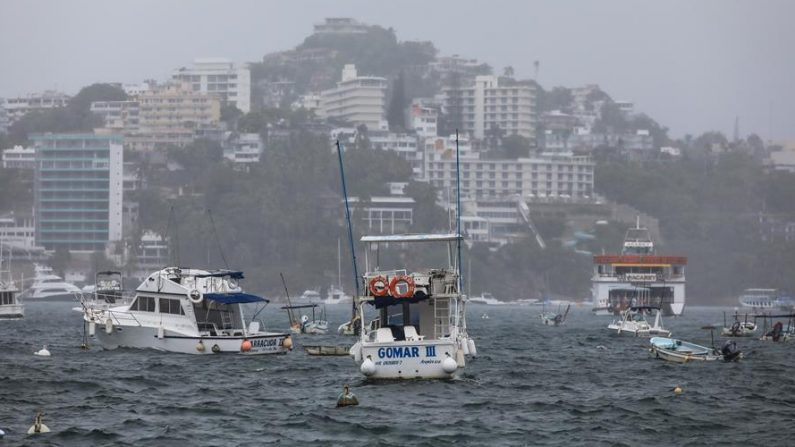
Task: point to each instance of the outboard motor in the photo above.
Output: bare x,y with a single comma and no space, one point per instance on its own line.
778,328
730,351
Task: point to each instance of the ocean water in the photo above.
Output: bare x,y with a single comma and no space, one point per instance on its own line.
530,385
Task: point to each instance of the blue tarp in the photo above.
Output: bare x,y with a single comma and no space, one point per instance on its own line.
386,301
234,298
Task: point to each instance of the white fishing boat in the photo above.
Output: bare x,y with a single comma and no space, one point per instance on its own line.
11,307
739,328
633,322
47,286
775,330
638,277
554,318
421,331
305,325
188,311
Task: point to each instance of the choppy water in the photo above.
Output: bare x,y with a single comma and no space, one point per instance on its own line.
530,385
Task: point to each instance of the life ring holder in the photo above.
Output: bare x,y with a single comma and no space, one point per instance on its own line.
374,288
408,280
195,296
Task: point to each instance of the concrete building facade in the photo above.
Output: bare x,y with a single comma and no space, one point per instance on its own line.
491,103
554,177
356,99
220,77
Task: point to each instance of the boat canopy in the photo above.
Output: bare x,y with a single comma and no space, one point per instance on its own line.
221,273
413,238
385,301
300,306
235,298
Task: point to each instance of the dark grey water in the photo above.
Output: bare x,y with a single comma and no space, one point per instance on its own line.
530,385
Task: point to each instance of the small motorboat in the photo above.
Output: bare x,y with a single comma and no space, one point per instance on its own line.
633,322
307,325
777,332
329,350
679,351
739,328
555,319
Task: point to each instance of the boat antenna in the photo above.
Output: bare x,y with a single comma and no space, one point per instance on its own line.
289,304
350,226
217,239
458,212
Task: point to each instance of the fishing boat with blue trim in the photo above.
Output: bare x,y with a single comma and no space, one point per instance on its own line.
420,331
184,310
679,351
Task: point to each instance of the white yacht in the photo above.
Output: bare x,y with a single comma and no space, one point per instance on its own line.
336,295
47,286
421,330
485,298
189,311
633,322
11,308
310,295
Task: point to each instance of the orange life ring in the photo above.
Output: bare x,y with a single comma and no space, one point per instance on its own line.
402,279
379,286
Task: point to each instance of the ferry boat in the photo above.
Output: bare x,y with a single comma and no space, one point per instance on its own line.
766,299
421,331
11,308
638,277
47,286
188,311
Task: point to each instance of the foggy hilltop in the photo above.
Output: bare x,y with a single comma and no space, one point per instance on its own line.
232,163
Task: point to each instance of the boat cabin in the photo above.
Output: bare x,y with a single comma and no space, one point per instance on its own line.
411,305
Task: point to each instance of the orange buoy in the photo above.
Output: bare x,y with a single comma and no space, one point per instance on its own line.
379,286
245,346
404,279
288,343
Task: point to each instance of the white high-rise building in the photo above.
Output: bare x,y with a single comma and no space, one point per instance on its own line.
232,83
491,102
356,99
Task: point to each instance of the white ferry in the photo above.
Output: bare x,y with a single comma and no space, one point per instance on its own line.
766,299
189,311
638,277
421,327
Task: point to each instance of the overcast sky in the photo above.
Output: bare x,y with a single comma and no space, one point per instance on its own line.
692,65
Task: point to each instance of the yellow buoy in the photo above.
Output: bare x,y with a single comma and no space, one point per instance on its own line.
288,343
678,390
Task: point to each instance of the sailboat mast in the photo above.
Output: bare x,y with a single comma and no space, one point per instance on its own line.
339,265
350,228
458,212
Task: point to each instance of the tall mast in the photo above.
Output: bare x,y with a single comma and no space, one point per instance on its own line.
458,212
350,227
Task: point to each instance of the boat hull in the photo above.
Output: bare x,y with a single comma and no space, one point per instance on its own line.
678,357
12,312
410,360
147,338
57,298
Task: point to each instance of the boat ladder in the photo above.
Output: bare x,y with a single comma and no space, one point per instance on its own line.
441,317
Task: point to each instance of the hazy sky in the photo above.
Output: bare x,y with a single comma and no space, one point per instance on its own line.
692,65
